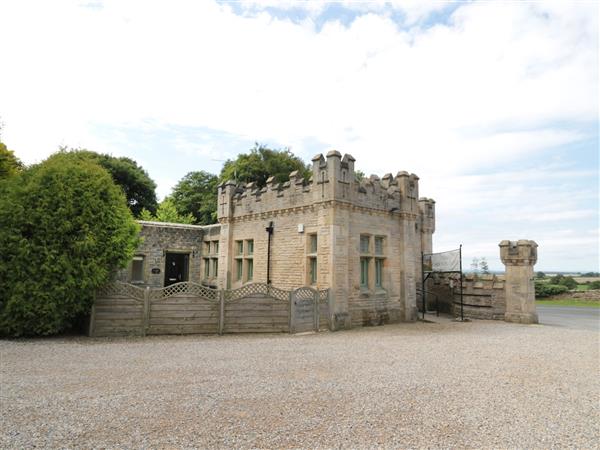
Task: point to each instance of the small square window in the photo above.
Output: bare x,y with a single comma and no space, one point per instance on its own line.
379,246
206,268
364,272
216,247
364,244
313,243
312,270
379,273
215,267
239,264
250,269
137,269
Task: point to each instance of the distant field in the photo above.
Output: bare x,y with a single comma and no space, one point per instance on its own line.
586,279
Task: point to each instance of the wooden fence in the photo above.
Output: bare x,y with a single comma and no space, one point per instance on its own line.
189,308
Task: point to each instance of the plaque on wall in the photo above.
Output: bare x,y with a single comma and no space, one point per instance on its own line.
155,270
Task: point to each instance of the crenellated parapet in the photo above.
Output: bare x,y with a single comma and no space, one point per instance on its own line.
333,179
427,212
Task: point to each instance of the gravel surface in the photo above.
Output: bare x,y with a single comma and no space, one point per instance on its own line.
478,384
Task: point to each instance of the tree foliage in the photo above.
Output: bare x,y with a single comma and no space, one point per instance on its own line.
167,212
561,280
547,290
196,194
10,165
139,188
261,163
540,275
64,229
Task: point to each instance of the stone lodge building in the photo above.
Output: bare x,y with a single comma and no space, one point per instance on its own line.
363,240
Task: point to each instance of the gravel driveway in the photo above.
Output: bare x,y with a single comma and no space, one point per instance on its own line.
478,384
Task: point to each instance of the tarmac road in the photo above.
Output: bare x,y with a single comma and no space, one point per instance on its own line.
578,318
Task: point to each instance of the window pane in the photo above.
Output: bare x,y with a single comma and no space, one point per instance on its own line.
250,247
379,246
206,268
364,244
313,270
239,247
250,269
137,269
238,269
313,243
364,272
215,263
378,272
216,247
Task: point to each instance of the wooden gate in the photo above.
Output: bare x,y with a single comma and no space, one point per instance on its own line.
304,310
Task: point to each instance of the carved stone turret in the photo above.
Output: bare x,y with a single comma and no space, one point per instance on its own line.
519,257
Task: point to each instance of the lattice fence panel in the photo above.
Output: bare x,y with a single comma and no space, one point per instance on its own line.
185,288
247,290
119,289
305,293
278,294
323,295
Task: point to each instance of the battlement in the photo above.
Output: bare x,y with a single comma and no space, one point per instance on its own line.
333,179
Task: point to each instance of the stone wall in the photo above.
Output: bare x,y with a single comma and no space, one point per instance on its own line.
333,206
483,296
159,238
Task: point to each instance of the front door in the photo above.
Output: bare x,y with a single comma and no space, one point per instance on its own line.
176,268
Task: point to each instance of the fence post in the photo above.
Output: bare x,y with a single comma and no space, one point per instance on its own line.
317,307
92,317
291,302
221,310
146,311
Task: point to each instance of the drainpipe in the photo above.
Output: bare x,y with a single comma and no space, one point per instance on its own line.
269,230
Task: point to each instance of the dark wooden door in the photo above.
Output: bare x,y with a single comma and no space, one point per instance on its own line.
176,268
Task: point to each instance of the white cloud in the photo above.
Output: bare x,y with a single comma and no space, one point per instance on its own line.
484,89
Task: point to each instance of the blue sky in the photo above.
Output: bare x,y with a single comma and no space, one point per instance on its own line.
494,105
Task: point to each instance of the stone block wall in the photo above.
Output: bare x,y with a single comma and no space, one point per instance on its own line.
483,296
158,239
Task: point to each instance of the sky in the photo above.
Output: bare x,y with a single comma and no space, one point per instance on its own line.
493,104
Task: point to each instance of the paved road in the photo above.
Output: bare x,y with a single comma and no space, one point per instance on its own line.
578,318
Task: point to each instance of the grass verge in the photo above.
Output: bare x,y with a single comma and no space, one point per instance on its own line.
569,302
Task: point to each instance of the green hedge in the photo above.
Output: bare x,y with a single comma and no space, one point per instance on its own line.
64,229
548,290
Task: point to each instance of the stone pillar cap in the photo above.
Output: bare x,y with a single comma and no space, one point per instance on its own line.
332,153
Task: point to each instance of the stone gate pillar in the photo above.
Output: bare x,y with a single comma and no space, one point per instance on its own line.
519,258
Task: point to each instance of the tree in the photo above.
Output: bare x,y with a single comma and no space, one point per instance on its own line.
540,275
9,164
359,175
483,266
167,212
196,194
262,163
475,265
139,188
64,229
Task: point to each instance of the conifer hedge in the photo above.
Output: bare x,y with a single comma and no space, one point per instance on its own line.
64,229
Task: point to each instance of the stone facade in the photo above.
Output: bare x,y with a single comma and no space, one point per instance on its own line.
519,257
363,240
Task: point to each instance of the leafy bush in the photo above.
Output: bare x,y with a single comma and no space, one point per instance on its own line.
569,282
64,229
595,285
548,290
